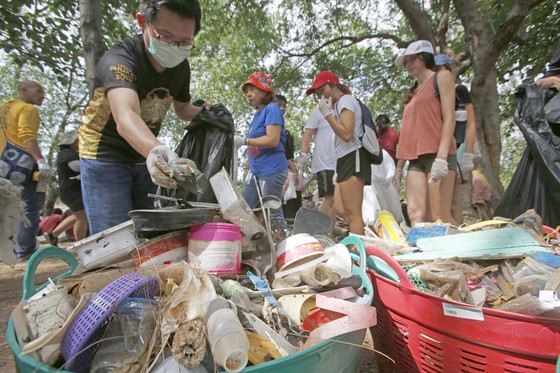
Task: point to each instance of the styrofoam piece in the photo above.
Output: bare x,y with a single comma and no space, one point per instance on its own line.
107,247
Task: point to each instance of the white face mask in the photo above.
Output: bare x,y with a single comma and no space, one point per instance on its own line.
167,55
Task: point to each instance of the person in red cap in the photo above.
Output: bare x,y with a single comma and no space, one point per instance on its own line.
353,170
426,139
265,140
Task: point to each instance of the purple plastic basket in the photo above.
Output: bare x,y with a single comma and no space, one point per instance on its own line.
79,343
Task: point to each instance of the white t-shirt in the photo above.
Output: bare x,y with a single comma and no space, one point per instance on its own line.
324,157
350,103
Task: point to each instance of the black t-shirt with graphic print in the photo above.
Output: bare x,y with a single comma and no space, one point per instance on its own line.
127,65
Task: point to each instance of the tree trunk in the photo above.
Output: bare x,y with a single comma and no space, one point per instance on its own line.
92,36
487,111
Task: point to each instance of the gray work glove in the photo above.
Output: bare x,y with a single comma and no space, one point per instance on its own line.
158,166
45,171
439,170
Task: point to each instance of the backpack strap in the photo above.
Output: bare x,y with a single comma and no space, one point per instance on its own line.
436,85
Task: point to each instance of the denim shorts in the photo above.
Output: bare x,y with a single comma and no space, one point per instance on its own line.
425,161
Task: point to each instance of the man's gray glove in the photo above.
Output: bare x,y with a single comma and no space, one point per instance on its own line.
45,171
158,166
302,161
325,106
466,164
439,170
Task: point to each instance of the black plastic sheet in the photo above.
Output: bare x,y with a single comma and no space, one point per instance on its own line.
209,143
536,181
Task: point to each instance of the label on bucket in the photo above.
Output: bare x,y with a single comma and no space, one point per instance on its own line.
461,312
166,249
216,256
297,248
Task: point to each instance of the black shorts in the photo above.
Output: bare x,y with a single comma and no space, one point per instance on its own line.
424,163
74,205
346,167
325,183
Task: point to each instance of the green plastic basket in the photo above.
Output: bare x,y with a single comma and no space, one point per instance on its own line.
25,363
338,355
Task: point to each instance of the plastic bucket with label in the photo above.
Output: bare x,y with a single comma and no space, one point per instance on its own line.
216,247
166,249
296,250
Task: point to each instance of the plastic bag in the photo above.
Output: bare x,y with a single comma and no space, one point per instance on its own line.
552,109
209,143
526,304
290,192
536,181
381,194
530,284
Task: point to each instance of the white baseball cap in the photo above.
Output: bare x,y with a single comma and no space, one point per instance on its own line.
415,47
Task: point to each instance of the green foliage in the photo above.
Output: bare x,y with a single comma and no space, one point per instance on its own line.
290,40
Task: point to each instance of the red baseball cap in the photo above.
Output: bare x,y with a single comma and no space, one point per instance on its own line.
322,78
259,80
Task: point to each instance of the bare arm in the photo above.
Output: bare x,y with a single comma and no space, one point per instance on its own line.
550,82
186,110
471,129
270,140
446,86
345,127
32,147
125,107
306,139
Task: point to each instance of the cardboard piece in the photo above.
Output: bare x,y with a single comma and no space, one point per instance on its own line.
504,243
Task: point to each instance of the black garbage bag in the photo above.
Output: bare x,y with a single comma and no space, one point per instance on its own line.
209,143
536,181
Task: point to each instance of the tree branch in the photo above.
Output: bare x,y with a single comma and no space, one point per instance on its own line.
351,39
443,27
417,19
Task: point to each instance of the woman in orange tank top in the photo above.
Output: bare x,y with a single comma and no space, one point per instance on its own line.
426,139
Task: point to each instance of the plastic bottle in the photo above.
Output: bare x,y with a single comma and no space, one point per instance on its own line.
170,365
238,295
128,335
227,339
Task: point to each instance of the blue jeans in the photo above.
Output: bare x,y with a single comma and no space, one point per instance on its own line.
111,189
270,185
34,201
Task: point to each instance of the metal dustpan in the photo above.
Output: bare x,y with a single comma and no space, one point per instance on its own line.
312,222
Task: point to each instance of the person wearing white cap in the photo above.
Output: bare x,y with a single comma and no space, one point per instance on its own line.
426,139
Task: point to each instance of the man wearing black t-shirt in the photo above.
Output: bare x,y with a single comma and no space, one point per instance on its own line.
136,82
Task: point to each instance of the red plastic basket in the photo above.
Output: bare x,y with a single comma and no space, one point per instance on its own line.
413,330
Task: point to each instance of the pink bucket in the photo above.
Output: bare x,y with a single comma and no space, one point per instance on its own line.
216,247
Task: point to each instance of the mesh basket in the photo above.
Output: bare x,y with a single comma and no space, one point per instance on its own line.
79,343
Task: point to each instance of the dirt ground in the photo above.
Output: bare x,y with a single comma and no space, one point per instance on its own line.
11,290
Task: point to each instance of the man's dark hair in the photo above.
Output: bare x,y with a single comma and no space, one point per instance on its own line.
185,8
382,122
57,210
280,98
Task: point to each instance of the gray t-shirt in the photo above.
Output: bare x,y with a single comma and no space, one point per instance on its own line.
342,147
